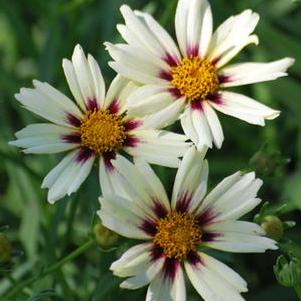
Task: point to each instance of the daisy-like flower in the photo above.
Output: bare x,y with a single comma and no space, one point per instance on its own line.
193,78
177,232
95,127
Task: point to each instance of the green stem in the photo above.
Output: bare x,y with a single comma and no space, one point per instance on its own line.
49,270
298,291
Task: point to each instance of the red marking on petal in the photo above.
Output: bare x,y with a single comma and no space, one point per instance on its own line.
217,99
171,60
73,120
84,154
209,237
91,104
165,75
206,217
159,209
131,141
148,227
215,60
224,79
156,253
194,258
132,124
192,51
72,138
175,92
183,202
196,105
107,158
170,268
114,107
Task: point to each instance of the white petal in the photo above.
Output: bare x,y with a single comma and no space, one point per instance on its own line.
145,277
136,64
153,181
232,35
244,108
167,289
159,147
119,91
242,243
49,103
189,175
167,43
214,124
188,126
149,99
249,73
199,26
234,200
121,216
43,138
144,37
202,128
166,116
67,176
213,285
98,81
137,187
134,261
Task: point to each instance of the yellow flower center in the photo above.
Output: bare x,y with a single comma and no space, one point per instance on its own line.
177,234
102,131
195,78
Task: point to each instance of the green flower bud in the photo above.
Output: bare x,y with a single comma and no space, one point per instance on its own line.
288,273
104,236
273,227
5,249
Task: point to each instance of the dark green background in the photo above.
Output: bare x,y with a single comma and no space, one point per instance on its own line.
34,37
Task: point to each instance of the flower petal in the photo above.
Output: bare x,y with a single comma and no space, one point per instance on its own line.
149,99
231,36
166,116
145,277
67,176
85,79
136,63
118,94
210,280
43,138
159,147
249,73
244,108
166,289
214,124
49,103
189,176
134,261
121,216
233,197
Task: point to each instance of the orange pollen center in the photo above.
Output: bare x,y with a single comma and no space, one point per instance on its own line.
102,131
177,234
195,78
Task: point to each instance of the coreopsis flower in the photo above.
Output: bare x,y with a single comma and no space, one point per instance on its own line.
177,233
96,127
190,81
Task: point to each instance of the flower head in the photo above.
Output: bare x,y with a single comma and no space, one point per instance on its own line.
190,80
97,126
174,231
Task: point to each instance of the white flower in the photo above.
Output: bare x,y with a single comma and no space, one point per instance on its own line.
192,79
95,127
174,231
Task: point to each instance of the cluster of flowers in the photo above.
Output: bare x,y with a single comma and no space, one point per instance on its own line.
158,83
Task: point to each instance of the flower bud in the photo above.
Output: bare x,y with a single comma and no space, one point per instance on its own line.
104,236
288,273
273,227
5,249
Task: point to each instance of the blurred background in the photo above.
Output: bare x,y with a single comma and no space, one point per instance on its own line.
34,38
